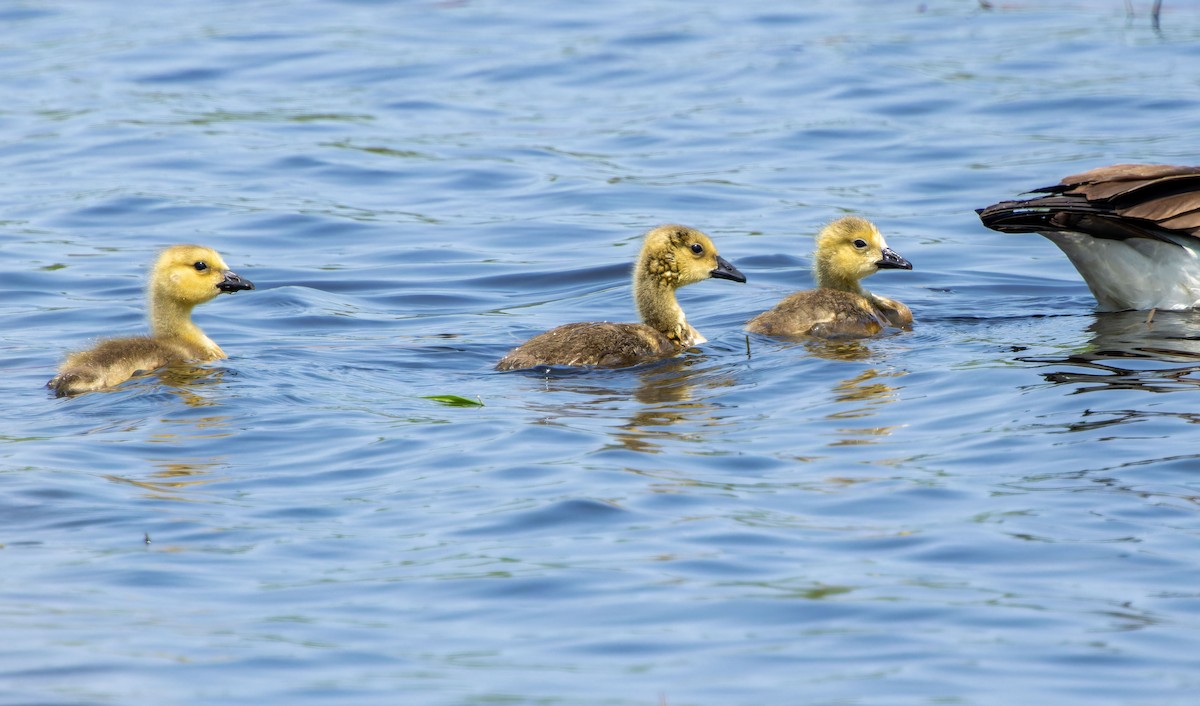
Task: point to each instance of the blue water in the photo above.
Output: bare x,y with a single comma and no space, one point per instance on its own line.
999,507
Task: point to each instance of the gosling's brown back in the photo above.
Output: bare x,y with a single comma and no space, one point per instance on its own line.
827,313
116,360
600,344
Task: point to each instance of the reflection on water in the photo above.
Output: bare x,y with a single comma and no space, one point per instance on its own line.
1098,419
687,391
867,388
864,393
662,394
1132,350
668,395
186,382
848,350
172,479
531,536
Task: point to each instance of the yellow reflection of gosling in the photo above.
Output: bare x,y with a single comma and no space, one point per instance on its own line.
183,276
848,250
672,256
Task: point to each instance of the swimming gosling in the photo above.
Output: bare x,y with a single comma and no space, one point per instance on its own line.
848,250
1131,230
182,277
672,256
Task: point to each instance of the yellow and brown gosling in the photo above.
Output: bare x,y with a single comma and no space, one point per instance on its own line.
672,256
848,250
182,277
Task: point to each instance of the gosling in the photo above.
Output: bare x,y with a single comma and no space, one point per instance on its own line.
1131,230
848,250
672,256
182,277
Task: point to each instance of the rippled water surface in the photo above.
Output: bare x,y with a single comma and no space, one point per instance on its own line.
998,507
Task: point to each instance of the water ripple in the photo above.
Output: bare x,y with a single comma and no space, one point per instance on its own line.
994,503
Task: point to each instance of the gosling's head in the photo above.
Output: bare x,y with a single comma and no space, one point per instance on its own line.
675,255
188,275
850,249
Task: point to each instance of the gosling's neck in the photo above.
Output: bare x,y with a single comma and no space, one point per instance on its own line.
654,293
829,277
172,320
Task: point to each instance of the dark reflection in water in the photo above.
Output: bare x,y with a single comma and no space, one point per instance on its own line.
1099,419
1133,350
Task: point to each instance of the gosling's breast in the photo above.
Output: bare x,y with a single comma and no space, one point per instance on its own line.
601,344
827,313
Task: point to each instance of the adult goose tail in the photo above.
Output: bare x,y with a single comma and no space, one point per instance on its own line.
1120,201
1132,231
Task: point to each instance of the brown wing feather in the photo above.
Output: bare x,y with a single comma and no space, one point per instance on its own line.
1119,177
1177,211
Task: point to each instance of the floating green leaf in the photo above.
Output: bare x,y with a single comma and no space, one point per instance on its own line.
454,400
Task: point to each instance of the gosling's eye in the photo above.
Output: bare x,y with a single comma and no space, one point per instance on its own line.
860,243
697,248
200,265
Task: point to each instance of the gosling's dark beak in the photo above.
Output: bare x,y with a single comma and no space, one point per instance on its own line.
233,282
726,270
892,261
